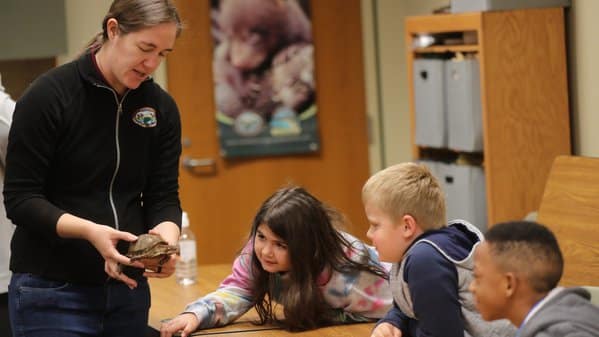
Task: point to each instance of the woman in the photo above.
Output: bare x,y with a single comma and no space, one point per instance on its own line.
92,162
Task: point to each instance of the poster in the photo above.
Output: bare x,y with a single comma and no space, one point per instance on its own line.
263,67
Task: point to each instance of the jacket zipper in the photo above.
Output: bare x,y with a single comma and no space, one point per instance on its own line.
118,150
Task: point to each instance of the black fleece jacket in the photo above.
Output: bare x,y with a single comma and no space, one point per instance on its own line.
76,147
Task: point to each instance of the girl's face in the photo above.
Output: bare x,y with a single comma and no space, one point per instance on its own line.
271,250
134,56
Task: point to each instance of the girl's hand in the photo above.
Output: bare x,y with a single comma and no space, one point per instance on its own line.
186,323
386,330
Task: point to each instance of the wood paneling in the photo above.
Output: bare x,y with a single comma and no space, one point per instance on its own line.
570,208
526,106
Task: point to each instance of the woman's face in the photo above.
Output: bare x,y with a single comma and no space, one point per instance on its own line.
132,57
271,250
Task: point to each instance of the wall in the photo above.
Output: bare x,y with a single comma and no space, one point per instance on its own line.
387,91
372,86
32,33
386,75
84,19
386,82
584,75
31,29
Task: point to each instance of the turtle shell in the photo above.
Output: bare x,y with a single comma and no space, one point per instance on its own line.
150,246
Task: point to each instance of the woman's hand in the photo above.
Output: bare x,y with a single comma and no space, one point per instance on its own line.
169,231
186,323
104,239
162,270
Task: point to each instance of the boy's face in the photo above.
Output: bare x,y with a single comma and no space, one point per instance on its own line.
387,235
488,285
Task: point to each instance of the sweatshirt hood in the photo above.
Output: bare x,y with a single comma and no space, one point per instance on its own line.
457,240
568,310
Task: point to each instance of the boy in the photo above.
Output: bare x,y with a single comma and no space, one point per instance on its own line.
405,206
516,273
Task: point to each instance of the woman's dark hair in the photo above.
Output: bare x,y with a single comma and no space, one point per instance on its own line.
314,245
134,15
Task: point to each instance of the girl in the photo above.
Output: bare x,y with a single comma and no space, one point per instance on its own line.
296,258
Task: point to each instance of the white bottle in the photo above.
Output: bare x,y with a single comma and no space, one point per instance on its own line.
186,270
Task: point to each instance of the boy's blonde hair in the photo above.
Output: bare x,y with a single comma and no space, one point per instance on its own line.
407,188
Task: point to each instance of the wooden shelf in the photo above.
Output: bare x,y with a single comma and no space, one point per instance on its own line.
524,98
464,48
444,23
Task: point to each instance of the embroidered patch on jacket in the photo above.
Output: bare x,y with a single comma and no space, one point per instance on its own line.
145,117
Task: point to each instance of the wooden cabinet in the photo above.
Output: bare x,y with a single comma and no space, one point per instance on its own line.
524,97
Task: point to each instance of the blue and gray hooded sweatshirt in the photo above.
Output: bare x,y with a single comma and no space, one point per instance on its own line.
430,287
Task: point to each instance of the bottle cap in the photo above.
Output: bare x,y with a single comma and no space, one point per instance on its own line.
184,220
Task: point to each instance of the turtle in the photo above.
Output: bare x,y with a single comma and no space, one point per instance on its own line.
151,249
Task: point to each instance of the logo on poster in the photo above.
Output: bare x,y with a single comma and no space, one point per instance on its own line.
248,123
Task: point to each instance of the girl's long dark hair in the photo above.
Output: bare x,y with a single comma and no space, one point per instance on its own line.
314,245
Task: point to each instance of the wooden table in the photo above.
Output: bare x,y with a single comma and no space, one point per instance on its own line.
170,298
